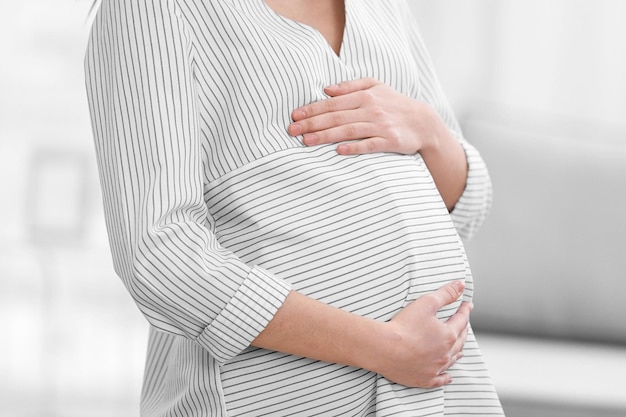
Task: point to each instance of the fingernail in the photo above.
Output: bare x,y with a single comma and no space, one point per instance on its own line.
343,149
333,86
294,129
298,115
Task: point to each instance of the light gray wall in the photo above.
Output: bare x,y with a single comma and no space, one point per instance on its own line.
561,57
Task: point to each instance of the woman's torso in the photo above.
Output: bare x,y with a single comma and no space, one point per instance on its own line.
365,233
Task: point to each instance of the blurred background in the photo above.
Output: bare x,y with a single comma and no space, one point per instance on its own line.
538,87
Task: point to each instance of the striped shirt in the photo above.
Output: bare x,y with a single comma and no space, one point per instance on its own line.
215,212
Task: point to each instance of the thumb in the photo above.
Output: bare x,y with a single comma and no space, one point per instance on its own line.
447,294
348,87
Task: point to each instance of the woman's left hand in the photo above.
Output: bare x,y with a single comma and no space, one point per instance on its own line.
370,116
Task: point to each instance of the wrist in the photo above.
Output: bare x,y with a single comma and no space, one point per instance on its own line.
435,130
380,348
446,159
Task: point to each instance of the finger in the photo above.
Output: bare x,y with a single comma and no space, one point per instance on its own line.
347,87
460,320
455,358
369,145
445,295
343,133
328,105
325,121
459,344
439,381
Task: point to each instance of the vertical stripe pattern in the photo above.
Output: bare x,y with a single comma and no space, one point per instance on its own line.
215,213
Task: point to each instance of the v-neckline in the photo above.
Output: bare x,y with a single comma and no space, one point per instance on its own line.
270,12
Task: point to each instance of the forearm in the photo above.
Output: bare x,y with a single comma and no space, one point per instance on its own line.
446,160
306,327
414,348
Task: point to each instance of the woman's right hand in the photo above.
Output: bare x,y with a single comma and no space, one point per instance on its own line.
415,348
423,347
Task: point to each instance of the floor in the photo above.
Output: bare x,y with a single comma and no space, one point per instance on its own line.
551,378
518,408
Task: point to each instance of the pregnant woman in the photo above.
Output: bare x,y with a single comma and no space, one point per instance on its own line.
285,188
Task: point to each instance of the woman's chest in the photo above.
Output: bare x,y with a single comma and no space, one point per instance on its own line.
253,67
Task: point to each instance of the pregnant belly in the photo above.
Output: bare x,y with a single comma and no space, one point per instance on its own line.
364,233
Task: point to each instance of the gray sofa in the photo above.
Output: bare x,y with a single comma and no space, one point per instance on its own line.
551,258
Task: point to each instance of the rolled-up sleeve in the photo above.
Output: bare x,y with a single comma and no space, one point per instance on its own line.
141,92
472,207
